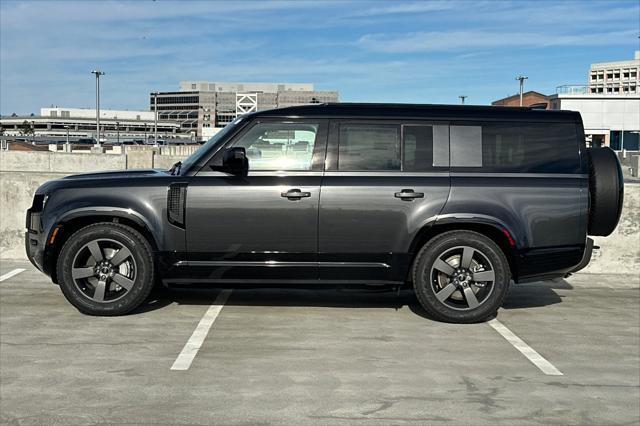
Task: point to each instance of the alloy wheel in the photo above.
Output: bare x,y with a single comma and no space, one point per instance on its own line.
462,278
104,270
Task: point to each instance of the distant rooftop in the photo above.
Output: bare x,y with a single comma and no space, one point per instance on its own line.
219,86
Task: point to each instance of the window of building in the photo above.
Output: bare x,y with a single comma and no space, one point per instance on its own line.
193,86
365,147
515,148
280,146
53,113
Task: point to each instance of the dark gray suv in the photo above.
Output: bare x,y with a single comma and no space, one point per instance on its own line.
455,200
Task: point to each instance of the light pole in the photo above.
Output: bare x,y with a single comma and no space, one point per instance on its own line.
98,73
67,129
155,118
118,131
462,98
521,78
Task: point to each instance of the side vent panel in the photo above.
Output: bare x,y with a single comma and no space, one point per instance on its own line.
176,201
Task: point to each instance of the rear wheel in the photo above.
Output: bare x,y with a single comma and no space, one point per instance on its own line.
461,276
106,269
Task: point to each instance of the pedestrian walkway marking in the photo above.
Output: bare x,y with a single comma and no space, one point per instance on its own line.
538,360
11,274
193,345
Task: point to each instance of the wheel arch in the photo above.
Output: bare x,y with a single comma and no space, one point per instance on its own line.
74,220
497,232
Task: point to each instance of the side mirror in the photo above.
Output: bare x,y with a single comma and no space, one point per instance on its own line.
235,161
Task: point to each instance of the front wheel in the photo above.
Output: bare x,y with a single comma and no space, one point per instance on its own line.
461,277
106,269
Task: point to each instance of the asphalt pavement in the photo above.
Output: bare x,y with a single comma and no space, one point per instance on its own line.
305,356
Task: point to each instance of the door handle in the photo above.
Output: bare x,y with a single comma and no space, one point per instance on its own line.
295,194
409,194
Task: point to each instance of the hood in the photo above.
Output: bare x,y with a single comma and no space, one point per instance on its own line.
97,179
118,174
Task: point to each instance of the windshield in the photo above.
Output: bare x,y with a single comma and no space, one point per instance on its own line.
194,158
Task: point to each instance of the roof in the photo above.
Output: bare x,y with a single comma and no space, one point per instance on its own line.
418,111
517,95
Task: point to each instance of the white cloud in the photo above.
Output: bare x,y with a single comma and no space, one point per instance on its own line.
403,8
479,39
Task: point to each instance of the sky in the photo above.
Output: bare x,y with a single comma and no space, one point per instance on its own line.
369,51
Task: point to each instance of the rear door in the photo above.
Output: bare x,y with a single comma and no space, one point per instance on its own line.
384,181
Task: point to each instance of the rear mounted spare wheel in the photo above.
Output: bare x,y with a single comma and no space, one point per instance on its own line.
605,191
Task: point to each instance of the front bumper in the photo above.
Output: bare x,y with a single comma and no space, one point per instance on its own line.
34,240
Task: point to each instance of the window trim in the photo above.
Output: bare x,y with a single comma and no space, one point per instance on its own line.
317,157
333,146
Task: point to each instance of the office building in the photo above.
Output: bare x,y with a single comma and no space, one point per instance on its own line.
619,77
203,107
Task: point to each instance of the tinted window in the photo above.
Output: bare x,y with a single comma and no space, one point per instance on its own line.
369,147
425,147
279,146
515,148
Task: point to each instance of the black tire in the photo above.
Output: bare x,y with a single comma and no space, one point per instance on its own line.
486,257
606,191
116,299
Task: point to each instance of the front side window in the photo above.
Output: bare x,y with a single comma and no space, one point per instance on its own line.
280,146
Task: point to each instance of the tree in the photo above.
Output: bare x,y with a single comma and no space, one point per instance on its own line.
26,128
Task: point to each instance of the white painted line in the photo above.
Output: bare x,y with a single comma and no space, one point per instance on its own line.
11,274
193,345
538,360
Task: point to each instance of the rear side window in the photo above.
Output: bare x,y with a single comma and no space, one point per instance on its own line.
425,147
369,147
515,148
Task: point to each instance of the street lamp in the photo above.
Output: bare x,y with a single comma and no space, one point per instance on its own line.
521,78
98,73
462,98
155,118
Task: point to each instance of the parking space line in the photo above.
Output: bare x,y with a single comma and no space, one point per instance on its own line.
11,274
193,345
538,360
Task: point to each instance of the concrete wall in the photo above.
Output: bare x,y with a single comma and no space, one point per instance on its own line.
620,251
22,172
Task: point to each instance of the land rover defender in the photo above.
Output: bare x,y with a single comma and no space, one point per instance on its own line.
456,201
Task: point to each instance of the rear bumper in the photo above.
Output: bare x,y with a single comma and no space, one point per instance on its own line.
550,263
586,257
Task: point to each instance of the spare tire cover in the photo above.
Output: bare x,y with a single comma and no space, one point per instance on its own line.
606,189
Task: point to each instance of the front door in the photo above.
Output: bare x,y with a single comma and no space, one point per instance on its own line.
384,182
263,226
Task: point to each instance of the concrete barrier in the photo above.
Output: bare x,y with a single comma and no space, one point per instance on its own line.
22,172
